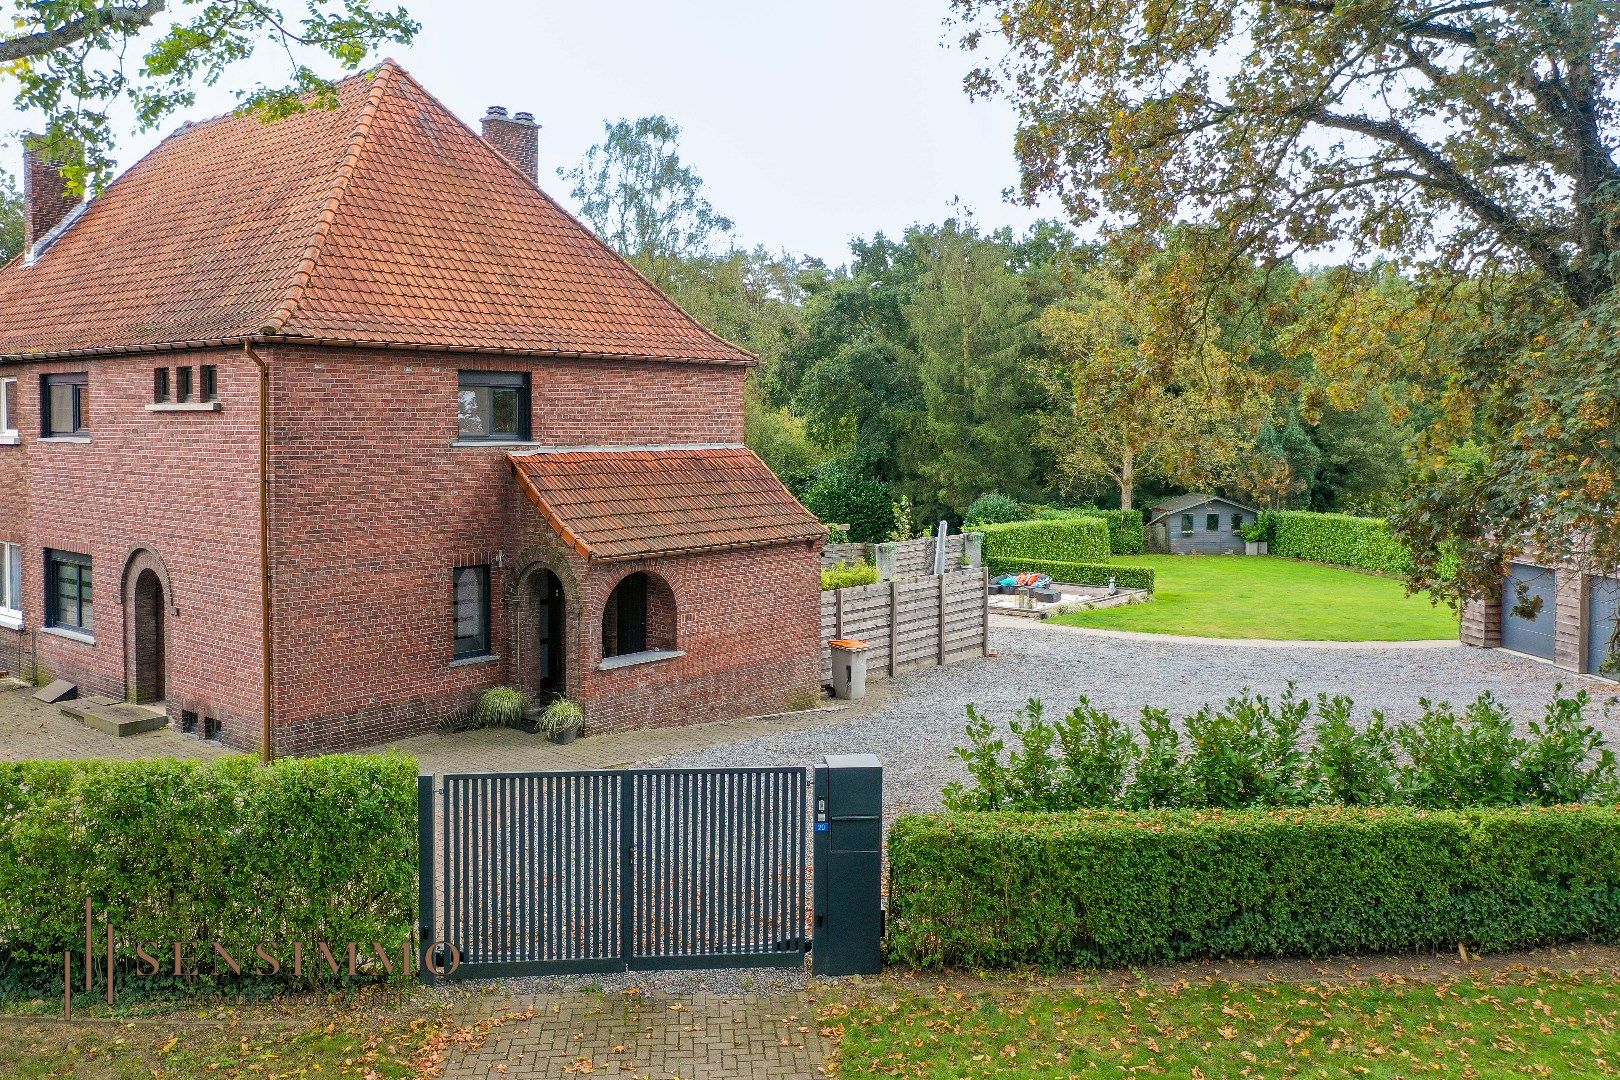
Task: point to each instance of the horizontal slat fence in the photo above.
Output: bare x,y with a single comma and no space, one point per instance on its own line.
909,624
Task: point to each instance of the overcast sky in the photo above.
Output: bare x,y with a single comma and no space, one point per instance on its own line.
810,123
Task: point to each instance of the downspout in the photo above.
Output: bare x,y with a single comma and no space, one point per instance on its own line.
267,752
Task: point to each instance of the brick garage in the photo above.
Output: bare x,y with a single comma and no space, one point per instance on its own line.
399,279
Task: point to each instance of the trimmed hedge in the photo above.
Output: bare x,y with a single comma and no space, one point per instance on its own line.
307,849
1070,539
1126,532
1111,889
1340,539
1126,577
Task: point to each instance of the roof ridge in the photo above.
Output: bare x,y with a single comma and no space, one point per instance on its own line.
283,314
533,184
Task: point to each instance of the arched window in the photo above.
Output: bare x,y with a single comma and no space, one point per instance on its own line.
639,617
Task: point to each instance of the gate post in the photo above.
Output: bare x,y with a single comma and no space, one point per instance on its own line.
424,874
848,866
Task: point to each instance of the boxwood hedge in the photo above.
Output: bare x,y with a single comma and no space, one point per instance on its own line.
311,849
1126,577
1340,539
1107,888
1069,539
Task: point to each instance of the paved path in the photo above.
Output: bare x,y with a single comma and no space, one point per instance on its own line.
691,1036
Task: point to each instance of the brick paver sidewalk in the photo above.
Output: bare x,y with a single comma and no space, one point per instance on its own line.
700,1036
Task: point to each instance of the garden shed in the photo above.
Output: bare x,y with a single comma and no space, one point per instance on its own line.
1551,610
1198,524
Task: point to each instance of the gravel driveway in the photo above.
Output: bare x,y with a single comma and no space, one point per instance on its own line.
914,730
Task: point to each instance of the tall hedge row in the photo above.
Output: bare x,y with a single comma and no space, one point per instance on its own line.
312,849
1067,539
1126,577
1340,539
1103,888
1126,535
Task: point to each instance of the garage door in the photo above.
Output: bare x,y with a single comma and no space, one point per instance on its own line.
1529,610
1602,612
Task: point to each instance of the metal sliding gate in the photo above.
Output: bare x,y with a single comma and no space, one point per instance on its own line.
549,872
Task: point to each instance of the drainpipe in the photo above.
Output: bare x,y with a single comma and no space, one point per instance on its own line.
267,752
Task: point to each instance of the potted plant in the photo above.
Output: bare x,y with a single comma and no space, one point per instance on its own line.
561,721
1254,539
501,706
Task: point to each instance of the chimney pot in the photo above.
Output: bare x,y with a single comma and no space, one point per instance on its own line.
518,137
45,195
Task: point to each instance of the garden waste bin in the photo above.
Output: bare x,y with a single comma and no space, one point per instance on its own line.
848,668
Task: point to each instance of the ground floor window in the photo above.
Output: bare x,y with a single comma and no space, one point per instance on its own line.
67,591
11,583
472,611
624,622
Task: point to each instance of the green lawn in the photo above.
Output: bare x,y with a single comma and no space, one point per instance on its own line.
1527,1025
1242,596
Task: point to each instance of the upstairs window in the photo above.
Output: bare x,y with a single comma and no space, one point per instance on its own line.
182,384
67,591
160,385
8,408
495,406
10,586
67,405
472,612
208,390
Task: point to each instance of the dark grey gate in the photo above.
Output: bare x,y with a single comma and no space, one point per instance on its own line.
554,872
1602,612
1529,610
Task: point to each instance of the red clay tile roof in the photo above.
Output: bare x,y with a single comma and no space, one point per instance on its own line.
385,221
630,504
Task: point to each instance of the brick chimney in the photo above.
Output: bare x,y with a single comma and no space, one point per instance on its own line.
45,196
518,137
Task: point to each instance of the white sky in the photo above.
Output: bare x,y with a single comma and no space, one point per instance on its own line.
810,123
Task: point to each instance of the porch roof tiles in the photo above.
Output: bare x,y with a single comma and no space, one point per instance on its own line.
614,505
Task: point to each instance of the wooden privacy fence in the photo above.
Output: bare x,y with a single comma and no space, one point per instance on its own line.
910,623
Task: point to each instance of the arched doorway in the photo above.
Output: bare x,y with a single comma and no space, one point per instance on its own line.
551,634
149,683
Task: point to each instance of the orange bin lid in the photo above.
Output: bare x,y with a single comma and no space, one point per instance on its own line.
848,643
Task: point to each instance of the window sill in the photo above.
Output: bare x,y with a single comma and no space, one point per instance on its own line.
78,440
492,444
183,406
71,635
10,438
470,661
636,659
11,620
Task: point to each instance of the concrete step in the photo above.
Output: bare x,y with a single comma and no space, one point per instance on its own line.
113,717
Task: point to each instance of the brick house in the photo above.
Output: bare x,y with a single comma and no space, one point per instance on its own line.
357,353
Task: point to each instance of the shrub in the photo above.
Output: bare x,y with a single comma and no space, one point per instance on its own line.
1340,539
1126,533
1070,539
560,716
847,575
307,849
839,493
501,706
1126,577
1103,888
992,508
1251,752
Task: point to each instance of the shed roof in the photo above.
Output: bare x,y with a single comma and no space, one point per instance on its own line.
612,505
383,222
1183,503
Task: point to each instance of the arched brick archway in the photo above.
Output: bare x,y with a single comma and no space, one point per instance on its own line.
147,598
542,603
640,614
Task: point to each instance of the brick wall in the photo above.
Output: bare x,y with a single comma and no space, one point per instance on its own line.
180,485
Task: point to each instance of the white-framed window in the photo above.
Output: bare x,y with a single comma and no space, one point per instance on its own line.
11,586
8,408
